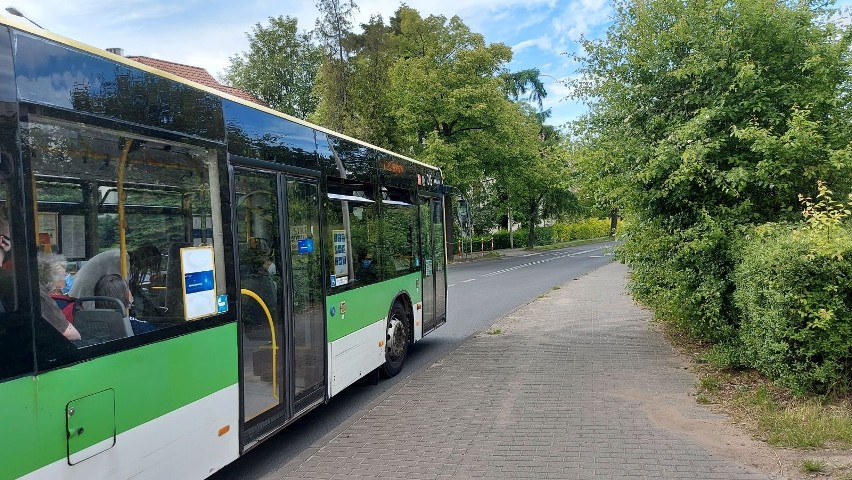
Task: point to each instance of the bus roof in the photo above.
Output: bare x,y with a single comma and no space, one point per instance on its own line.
32,29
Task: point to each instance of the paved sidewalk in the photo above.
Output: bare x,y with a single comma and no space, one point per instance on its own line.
578,385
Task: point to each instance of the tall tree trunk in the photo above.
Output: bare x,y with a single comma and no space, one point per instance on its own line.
533,219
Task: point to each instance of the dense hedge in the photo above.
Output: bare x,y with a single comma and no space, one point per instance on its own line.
794,289
557,233
684,275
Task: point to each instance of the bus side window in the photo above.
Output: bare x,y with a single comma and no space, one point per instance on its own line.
125,206
399,222
352,224
16,345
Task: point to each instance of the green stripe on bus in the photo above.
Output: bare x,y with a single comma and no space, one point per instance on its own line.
148,382
366,305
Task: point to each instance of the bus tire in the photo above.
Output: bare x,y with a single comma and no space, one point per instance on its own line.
396,343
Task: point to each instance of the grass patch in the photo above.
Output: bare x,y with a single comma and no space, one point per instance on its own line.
807,424
767,411
813,466
709,384
494,331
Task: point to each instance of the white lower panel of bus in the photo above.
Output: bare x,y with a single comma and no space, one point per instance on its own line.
181,444
418,322
356,355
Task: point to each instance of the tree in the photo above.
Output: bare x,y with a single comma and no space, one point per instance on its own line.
279,67
446,97
519,83
705,117
539,182
369,116
333,28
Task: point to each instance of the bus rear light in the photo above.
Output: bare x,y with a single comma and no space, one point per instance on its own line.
224,430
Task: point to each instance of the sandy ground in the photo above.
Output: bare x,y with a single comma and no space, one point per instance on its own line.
720,435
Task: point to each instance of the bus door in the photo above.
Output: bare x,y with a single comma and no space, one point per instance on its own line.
282,329
434,263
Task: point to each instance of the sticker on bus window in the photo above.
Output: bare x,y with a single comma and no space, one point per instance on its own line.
199,283
306,245
341,266
222,303
339,281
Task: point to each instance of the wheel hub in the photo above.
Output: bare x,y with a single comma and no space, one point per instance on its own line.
395,342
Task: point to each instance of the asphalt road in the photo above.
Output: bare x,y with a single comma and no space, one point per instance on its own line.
479,293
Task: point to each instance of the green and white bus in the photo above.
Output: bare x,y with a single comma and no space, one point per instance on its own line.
271,264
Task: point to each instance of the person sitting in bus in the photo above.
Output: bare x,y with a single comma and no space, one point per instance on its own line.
367,269
145,271
69,282
51,275
113,285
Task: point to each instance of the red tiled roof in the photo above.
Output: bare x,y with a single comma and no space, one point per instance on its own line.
196,74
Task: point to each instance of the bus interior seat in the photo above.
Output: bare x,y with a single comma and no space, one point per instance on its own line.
106,262
99,325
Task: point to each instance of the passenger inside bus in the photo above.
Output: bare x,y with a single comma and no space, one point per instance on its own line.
51,274
113,285
51,270
146,278
367,271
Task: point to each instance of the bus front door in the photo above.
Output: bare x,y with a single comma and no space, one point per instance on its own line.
434,263
282,333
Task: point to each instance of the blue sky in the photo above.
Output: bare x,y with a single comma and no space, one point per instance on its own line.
542,33
207,33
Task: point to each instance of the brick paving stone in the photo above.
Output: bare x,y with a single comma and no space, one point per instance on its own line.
559,394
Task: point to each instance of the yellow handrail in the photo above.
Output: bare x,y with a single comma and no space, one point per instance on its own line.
255,296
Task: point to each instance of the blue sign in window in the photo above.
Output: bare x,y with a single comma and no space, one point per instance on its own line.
306,245
198,281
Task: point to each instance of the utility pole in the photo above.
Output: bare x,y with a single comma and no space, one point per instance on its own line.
509,208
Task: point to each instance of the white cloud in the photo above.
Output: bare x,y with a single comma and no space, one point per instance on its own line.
541,42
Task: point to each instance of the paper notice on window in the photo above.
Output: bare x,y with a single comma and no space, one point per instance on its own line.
341,267
73,230
199,282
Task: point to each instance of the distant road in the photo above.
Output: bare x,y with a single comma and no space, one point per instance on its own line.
479,293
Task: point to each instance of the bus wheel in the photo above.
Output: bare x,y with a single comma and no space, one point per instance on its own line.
396,345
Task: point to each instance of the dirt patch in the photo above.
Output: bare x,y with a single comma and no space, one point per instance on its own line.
681,415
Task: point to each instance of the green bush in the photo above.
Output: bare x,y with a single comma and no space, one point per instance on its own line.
560,232
590,228
684,275
794,288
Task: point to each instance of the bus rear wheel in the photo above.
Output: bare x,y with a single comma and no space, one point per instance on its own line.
396,344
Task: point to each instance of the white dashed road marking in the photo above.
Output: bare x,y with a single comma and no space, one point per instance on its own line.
537,262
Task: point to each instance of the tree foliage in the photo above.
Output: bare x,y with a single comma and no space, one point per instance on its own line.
704,117
279,67
333,28
427,87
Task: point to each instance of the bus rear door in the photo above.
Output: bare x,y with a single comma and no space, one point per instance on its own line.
434,263
282,340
